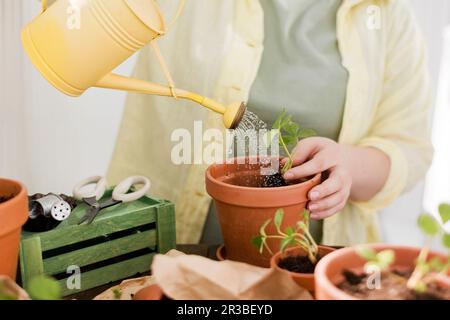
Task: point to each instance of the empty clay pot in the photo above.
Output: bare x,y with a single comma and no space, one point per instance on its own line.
304,280
13,215
329,269
242,210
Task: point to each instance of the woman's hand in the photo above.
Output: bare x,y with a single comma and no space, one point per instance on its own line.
356,173
315,155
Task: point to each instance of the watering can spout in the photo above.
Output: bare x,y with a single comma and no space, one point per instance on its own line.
232,114
112,30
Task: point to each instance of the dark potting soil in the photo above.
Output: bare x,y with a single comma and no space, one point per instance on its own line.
5,198
392,287
273,181
260,181
298,264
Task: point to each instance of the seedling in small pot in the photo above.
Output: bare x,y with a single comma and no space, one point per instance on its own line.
381,260
298,235
289,134
426,269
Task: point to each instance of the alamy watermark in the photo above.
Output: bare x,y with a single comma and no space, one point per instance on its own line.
230,146
73,282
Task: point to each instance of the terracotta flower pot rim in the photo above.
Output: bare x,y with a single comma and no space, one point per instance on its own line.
228,185
6,229
16,197
322,265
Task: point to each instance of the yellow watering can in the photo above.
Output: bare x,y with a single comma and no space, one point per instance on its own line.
76,44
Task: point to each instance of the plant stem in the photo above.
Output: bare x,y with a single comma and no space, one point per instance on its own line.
285,169
418,274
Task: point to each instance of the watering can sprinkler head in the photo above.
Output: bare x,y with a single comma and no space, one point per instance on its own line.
234,114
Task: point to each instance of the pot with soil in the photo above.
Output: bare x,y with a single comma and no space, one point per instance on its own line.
295,261
13,214
343,275
245,199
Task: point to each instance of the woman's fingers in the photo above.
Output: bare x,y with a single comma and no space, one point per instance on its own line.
328,213
327,202
304,150
336,181
312,167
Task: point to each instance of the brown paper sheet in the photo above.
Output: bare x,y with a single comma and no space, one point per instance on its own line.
191,277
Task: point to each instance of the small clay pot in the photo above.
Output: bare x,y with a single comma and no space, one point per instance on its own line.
152,292
13,215
242,210
329,269
304,280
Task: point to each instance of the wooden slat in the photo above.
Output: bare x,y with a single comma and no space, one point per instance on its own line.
165,226
111,273
30,259
100,252
73,234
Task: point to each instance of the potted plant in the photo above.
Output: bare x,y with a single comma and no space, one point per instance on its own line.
13,214
298,254
245,198
384,271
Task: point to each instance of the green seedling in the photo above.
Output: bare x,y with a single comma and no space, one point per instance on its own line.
427,269
117,294
289,134
382,260
298,235
44,288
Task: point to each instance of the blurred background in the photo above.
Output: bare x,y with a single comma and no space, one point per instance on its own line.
49,141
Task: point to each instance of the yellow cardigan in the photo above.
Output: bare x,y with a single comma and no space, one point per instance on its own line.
215,49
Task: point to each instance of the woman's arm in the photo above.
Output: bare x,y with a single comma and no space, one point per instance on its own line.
396,153
355,173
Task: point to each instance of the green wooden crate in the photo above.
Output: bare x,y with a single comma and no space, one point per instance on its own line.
119,244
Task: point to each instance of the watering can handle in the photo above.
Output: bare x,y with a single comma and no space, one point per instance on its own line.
43,6
177,14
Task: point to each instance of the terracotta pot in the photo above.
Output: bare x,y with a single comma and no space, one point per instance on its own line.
242,210
304,280
13,215
329,269
152,292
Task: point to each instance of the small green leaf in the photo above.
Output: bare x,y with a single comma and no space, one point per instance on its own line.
429,225
278,122
117,294
258,242
385,258
289,231
421,287
306,133
446,240
44,288
444,212
302,225
290,141
278,219
286,242
366,253
436,264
